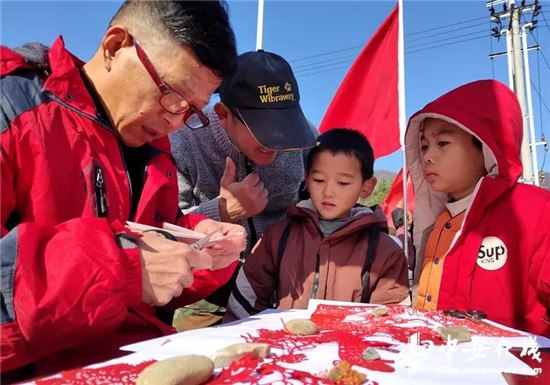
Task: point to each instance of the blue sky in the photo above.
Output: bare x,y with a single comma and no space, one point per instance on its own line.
447,44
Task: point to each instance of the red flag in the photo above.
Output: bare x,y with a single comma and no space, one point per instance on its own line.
395,195
367,99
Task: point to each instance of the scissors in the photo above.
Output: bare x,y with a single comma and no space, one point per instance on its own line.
204,240
474,315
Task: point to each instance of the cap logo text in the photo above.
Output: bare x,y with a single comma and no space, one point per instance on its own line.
266,93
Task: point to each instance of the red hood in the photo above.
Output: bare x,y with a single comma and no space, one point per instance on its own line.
487,109
490,111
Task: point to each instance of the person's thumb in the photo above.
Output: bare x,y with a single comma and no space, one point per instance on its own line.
228,173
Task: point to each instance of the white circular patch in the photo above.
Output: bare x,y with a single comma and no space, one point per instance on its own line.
492,254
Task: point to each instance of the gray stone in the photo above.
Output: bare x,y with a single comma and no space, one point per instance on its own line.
380,311
224,357
370,354
459,333
301,326
182,370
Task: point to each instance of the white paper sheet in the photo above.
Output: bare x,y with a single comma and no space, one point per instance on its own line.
181,233
476,362
480,359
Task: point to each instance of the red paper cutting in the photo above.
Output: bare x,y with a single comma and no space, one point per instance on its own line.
118,374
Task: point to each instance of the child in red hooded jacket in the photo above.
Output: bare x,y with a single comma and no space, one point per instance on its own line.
482,238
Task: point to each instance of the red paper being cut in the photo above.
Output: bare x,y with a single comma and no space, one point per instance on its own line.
393,324
349,327
251,371
118,374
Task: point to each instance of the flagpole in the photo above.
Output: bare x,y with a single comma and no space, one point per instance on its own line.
260,27
402,120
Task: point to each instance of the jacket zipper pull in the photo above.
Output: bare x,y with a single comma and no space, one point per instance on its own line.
101,202
315,286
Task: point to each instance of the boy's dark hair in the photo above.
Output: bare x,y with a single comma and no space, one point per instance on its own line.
346,141
201,25
398,217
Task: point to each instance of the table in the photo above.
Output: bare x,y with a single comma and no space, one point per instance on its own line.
438,364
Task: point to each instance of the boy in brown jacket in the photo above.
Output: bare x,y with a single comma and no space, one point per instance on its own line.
327,247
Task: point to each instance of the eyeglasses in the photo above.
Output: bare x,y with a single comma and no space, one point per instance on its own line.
169,98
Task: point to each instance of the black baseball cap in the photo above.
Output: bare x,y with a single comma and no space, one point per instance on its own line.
265,92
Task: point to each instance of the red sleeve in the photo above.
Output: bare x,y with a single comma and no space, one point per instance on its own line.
539,271
189,221
61,286
64,286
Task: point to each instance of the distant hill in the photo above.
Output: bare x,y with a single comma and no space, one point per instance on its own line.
385,174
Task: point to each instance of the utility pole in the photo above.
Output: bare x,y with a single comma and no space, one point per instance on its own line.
519,89
518,83
260,25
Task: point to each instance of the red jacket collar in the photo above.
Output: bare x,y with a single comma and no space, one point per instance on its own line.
65,81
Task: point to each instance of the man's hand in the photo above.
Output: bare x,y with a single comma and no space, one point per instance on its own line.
167,267
227,251
240,200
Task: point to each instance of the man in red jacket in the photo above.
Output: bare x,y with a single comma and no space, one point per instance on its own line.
482,238
83,150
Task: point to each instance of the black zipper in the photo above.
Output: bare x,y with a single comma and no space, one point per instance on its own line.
315,286
99,187
316,276
93,119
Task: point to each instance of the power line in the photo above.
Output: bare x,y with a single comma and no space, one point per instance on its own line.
317,65
536,40
545,21
444,45
541,117
446,32
311,69
540,50
448,25
350,57
449,38
318,72
541,100
362,45
327,53
304,70
540,97
321,66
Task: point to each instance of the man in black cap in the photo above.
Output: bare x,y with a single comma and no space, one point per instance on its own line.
246,166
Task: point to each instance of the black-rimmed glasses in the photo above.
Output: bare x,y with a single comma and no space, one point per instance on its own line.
170,99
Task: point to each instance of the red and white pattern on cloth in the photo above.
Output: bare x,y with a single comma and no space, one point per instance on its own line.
348,326
118,374
253,371
395,322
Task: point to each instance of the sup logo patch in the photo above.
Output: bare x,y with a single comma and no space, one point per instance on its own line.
492,254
